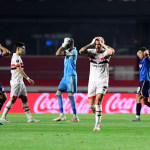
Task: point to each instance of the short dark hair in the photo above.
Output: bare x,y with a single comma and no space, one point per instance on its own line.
19,44
142,49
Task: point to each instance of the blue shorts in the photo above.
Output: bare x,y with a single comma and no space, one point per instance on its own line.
143,88
68,84
2,90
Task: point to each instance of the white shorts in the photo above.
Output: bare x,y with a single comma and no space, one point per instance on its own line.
95,88
18,89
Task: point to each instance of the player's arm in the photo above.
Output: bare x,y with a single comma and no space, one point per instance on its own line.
24,75
109,49
5,51
83,50
60,51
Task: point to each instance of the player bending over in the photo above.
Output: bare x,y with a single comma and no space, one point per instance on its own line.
143,89
69,81
99,75
18,89
3,52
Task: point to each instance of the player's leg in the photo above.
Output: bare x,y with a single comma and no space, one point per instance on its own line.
61,89
3,96
26,109
71,89
98,111
91,95
7,108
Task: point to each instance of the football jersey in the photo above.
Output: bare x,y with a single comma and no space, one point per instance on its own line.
16,61
70,62
1,53
144,67
99,66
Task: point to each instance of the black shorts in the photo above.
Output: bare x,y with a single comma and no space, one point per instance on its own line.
143,88
2,90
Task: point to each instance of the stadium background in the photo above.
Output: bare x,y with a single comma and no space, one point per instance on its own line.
42,25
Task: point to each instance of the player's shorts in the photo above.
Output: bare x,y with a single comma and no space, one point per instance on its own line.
68,84
143,88
95,88
2,90
18,89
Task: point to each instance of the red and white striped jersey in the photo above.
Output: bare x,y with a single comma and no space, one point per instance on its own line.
16,61
99,66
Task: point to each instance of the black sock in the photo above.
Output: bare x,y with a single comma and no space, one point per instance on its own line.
1,103
148,104
138,108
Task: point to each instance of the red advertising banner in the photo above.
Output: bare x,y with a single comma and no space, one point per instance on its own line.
114,103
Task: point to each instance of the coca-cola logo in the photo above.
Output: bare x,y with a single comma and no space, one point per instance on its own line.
122,103
48,103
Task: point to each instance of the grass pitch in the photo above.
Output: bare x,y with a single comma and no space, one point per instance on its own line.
117,133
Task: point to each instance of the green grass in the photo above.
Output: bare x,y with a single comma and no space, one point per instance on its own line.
117,133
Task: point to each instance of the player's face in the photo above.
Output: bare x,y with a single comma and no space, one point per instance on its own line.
98,46
21,50
140,54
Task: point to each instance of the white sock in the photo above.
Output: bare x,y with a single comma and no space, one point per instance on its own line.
7,108
26,110
137,116
75,116
62,114
92,108
98,115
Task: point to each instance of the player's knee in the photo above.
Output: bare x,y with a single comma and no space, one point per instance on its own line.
71,94
58,93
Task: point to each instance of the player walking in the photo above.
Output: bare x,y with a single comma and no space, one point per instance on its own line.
18,89
69,81
3,52
143,89
99,75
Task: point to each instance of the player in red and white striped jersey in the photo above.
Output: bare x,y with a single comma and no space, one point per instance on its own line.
3,52
99,75
18,89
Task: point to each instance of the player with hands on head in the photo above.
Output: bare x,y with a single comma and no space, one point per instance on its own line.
99,75
69,81
3,97
18,89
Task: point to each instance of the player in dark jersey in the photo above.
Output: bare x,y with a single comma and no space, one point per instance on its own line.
143,89
3,52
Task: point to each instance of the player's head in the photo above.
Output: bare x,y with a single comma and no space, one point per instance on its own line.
141,51
20,48
97,45
71,45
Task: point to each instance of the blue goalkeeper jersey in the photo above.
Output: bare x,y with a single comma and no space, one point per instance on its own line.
1,53
70,62
144,69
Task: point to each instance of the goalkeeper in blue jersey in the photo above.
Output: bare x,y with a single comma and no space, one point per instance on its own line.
143,89
69,81
3,52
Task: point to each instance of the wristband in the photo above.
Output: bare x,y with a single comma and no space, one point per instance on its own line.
27,78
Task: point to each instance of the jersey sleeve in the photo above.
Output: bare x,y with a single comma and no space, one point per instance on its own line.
70,52
91,50
17,62
147,59
106,53
1,53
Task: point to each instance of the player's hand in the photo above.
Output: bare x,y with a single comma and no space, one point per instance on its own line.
66,42
146,53
93,41
31,81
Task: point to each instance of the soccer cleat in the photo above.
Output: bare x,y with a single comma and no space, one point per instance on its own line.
135,119
97,128
4,120
33,120
60,118
75,119
1,123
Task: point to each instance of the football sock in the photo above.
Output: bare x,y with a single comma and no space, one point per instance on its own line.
2,101
60,101
98,115
26,109
92,108
73,103
138,109
7,108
